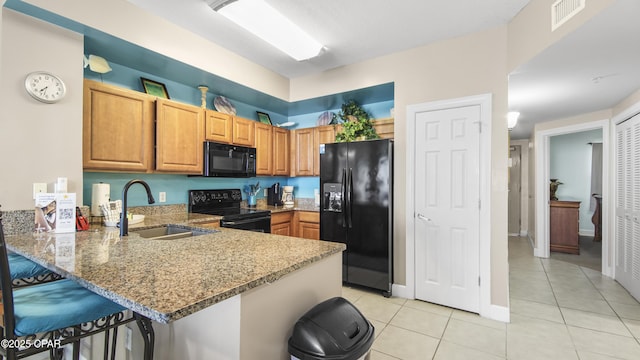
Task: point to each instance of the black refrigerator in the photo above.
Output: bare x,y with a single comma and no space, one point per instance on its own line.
356,181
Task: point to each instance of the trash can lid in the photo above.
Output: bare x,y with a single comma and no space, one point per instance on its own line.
333,329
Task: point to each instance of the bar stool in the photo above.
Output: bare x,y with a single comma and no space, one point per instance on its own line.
47,316
25,272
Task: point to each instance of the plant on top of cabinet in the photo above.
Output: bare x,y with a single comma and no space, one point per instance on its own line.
356,124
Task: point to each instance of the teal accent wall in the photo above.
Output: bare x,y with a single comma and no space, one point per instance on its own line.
570,163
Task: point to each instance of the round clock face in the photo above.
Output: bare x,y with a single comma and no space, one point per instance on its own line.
45,87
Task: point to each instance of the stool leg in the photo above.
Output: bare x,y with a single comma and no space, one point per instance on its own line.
113,343
147,335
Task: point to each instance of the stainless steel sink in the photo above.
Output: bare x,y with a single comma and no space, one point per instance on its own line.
169,232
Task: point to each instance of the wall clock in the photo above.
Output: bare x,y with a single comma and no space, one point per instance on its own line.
45,87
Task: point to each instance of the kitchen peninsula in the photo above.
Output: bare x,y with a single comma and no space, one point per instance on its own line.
228,294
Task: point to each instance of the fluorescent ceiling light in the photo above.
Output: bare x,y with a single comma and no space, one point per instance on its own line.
512,119
267,23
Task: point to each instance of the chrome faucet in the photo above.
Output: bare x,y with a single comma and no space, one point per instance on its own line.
124,221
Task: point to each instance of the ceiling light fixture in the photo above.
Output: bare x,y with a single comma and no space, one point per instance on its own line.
512,119
267,23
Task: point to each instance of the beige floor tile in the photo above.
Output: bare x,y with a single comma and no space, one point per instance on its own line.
352,294
577,291
420,321
626,311
478,320
533,292
378,326
575,301
430,307
536,310
376,307
405,344
376,355
618,295
531,338
485,339
586,355
593,321
606,344
633,326
451,351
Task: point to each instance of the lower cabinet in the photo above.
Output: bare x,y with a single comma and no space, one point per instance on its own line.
281,223
307,224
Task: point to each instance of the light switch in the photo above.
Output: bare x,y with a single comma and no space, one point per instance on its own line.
39,188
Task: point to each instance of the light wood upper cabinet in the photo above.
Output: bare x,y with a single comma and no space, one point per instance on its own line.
384,128
302,152
179,137
117,132
281,151
218,127
264,149
243,131
322,135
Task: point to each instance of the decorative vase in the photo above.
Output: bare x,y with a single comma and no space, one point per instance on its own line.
251,200
553,187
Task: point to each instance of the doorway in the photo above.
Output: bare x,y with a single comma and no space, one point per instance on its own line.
542,191
515,190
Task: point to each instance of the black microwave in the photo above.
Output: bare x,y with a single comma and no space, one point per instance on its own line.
225,160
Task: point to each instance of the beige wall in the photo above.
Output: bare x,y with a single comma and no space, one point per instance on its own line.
530,31
38,142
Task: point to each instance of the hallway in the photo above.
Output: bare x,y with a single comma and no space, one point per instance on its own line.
558,311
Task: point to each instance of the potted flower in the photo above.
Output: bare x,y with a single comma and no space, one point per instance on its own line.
252,191
356,123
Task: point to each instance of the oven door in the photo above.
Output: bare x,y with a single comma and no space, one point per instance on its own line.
257,224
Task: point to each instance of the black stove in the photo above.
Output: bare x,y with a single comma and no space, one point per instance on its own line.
226,203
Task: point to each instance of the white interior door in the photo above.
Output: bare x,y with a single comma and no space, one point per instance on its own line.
447,206
627,223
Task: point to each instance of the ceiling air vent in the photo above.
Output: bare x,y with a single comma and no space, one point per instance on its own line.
563,10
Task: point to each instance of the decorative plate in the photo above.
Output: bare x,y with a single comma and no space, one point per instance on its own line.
223,105
324,118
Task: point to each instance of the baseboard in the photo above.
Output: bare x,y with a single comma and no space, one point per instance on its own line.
524,233
586,232
498,313
401,291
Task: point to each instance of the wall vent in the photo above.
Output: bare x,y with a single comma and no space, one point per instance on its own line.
563,10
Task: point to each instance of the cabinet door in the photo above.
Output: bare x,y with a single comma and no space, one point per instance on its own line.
384,128
302,152
280,151
322,135
179,137
117,132
264,149
243,131
218,127
281,223
307,224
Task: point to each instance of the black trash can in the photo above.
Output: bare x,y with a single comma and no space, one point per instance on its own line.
333,329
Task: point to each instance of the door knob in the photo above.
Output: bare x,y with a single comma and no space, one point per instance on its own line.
422,217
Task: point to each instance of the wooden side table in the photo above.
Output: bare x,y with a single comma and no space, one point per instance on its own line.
564,225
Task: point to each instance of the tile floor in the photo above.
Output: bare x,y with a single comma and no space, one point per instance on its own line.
558,311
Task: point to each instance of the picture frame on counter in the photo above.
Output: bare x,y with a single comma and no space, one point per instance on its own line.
154,88
264,118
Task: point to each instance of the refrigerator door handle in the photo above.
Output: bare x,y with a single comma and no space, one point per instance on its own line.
349,197
344,197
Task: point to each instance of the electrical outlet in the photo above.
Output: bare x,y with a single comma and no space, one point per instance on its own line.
39,188
162,197
127,338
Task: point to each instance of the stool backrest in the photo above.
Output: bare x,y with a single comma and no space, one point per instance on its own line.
8,320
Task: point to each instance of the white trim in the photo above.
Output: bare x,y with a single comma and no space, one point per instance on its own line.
542,189
498,313
485,103
401,291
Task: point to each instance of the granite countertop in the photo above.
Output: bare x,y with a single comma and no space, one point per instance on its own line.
166,280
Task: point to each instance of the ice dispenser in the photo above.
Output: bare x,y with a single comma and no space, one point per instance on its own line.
332,197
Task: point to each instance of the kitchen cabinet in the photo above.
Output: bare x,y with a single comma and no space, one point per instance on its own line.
281,223
563,226
305,149
179,137
218,127
118,129
384,128
243,131
280,151
307,224
264,149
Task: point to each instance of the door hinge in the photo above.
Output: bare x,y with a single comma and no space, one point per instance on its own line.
479,204
478,280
